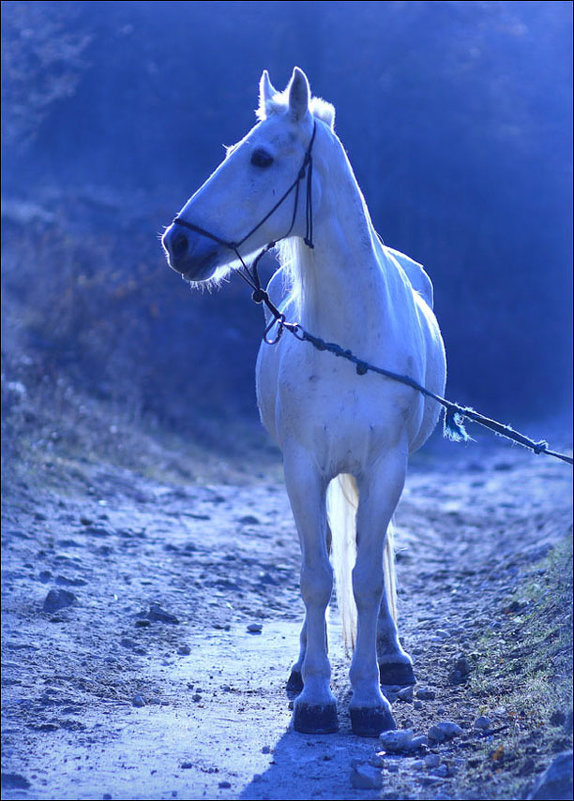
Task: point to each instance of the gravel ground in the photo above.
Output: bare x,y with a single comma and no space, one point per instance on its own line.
151,612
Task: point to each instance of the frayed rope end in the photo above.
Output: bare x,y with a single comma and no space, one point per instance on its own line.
453,427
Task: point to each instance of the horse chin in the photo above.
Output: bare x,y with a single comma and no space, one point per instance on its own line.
198,271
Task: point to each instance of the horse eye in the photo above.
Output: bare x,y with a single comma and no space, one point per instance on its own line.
261,158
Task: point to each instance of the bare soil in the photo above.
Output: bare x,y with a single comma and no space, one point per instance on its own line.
162,673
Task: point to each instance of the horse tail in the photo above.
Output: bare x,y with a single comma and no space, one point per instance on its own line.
342,505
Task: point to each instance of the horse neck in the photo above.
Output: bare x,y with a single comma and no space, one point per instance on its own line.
342,287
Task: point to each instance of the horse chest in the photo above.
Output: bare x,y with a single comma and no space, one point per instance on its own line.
344,419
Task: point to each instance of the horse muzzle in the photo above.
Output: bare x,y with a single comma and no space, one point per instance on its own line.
192,255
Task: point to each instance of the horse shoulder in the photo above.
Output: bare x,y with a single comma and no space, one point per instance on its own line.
418,277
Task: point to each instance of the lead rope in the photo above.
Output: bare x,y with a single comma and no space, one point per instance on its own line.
455,414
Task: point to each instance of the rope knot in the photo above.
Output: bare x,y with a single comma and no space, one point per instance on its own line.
259,295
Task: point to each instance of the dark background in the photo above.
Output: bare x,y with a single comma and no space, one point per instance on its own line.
457,120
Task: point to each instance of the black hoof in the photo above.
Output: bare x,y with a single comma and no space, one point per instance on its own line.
294,684
398,674
315,719
369,722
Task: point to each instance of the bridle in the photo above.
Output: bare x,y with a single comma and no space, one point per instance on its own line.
250,273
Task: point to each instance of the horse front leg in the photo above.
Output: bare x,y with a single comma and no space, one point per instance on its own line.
379,494
315,709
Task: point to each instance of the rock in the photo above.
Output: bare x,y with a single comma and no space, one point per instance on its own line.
184,650
366,777
555,783
70,582
441,771
224,785
138,700
401,741
255,628
460,670
445,730
249,520
159,615
13,781
418,705
186,765
483,723
406,694
58,599
424,694
431,761
558,718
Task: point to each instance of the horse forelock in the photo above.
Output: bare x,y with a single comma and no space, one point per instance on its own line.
279,103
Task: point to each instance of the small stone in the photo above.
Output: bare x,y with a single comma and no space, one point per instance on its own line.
431,761
156,613
424,694
266,749
255,628
556,781
441,771
366,777
418,705
249,520
196,697
138,700
558,718
460,670
186,765
58,599
399,741
406,694
13,781
184,650
483,723
224,785
445,730
142,624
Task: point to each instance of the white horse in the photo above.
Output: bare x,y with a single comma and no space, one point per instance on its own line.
345,437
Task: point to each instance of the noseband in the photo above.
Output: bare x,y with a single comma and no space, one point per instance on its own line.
250,274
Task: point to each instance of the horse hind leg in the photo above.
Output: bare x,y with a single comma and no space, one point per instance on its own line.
395,665
314,709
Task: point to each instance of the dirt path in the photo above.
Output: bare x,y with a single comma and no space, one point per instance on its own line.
149,627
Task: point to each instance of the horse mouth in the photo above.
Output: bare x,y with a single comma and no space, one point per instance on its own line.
195,258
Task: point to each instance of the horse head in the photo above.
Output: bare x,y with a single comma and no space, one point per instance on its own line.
253,198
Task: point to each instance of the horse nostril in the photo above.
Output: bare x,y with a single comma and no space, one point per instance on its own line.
179,244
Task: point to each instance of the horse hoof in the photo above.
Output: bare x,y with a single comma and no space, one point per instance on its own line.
294,684
369,722
398,674
315,719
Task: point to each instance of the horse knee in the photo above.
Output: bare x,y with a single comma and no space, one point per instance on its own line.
368,585
317,584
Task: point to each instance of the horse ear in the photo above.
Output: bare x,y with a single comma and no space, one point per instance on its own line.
299,94
266,94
